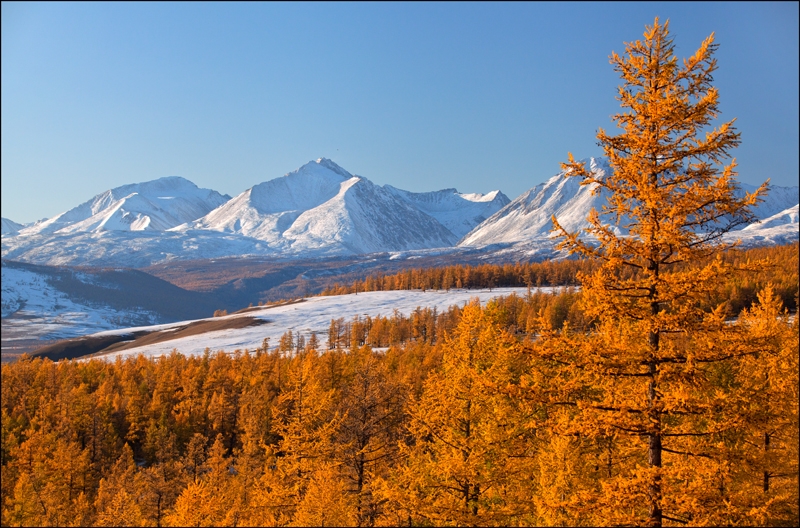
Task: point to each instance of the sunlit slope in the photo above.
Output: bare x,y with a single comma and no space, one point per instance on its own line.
155,205
458,212
311,315
528,218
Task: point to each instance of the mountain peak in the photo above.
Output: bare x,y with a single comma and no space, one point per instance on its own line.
155,205
10,227
323,163
165,183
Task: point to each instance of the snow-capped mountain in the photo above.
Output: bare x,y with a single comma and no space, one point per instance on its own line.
528,217
268,209
780,228
322,208
9,227
777,200
153,206
318,209
458,212
366,218
786,217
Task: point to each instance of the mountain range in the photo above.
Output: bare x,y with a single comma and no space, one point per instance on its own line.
527,219
321,209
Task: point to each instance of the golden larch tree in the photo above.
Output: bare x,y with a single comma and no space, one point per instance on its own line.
670,199
467,461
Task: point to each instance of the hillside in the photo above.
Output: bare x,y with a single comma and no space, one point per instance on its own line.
42,303
9,227
248,328
458,212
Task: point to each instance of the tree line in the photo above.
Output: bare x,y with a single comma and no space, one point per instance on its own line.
533,274
778,266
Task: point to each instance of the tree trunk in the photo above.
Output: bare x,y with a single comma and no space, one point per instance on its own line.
654,449
766,472
654,437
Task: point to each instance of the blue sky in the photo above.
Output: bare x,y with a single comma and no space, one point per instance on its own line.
422,96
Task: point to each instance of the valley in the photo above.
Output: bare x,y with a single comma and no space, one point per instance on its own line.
166,250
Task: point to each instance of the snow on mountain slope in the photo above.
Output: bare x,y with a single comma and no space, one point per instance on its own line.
131,213
322,209
32,308
460,213
319,209
133,249
366,218
780,228
9,227
777,200
529,215
786,217
155,205
268,209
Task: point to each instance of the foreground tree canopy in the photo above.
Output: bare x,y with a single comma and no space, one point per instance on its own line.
646,398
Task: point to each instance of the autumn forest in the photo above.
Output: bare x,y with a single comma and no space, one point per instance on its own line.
657,386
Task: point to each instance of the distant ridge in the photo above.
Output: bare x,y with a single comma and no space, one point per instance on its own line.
322,210
458,212
9,227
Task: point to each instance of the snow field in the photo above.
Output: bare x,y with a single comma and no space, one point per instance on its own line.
312,315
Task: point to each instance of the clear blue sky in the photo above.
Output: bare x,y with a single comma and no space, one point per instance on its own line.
422,96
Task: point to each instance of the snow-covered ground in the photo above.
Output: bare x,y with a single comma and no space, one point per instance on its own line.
33,309
312,315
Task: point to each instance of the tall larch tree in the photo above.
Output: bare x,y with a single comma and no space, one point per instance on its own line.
764,451
371,406
670,200
306,422
467,461
117,502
